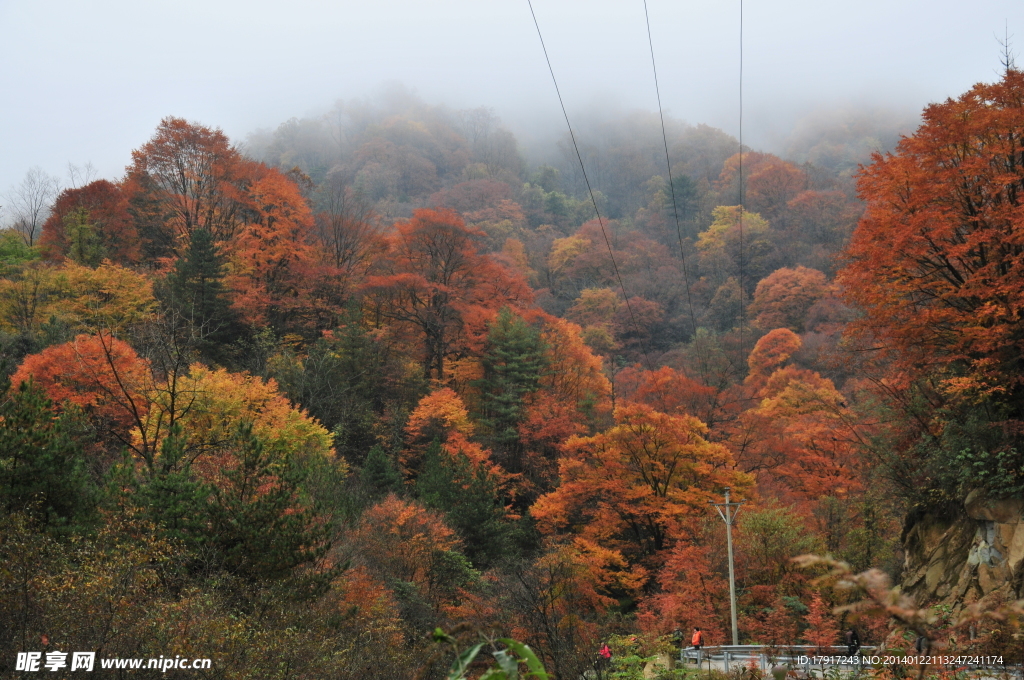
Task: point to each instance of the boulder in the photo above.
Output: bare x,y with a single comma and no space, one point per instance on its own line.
1002,510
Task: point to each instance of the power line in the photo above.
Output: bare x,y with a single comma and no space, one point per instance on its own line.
579,157
743,311
672,190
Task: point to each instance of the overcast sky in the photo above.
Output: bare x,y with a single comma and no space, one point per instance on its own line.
89,81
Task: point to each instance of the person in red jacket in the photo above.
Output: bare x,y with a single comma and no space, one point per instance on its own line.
698,639
604,659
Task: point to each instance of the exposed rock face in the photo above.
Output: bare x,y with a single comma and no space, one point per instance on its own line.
960,561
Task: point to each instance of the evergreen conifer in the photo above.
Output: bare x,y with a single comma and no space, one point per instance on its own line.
171,498
195,291
379,473
470,500
42,464
514,361
258,526
85,245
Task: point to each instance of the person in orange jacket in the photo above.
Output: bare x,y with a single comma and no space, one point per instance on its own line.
698,639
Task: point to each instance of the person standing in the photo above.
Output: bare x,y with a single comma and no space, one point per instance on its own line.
852,642
697,640
604,658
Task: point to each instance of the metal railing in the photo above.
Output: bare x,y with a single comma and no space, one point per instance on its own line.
808,657
728,657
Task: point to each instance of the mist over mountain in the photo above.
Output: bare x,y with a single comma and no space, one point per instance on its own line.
246,67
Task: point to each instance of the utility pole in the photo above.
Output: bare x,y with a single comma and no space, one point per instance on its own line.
729,517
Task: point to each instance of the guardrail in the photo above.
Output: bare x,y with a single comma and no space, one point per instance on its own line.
806,658
727,657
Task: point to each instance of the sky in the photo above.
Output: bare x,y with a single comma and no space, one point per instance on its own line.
86,82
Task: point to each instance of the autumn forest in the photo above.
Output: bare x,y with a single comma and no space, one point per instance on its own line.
292,402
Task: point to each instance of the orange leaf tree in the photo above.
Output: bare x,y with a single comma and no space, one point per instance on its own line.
441,416
189,178
558,602
782,299
403,541
100,374
693,594
800,432
822,629
574,395
773,625
632,487
671,391
272,256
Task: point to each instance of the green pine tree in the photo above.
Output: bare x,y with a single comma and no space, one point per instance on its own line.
85,246
42,462
379,474
195,292
514,362
258,526
170,496
347,381
470,500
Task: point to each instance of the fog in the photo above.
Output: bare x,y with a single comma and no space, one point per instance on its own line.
88,82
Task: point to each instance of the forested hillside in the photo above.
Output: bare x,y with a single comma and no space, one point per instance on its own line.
294,401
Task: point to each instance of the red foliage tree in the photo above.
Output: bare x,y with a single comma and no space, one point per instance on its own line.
193,171
772,186
937,261
574,396
770,182
770,353
188,177
436,284
104,207
402,541
442,416
804,435
692,594
800,431
636,324
822,629
773,625
273,257
669,391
